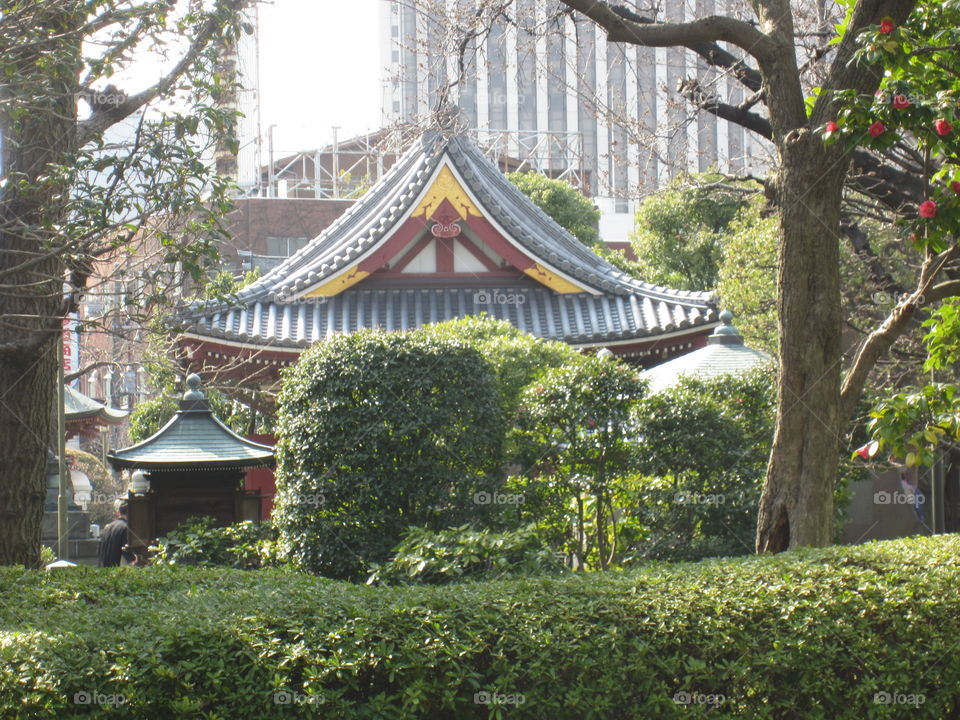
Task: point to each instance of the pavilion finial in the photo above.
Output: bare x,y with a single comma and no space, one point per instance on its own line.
193,383
727,333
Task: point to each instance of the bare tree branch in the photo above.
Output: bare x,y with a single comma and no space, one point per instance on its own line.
106,116
715,28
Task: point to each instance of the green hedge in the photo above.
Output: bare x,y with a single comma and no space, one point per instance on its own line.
810,634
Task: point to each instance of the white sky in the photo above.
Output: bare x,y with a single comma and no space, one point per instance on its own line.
319,67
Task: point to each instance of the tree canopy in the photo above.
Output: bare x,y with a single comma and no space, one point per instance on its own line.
680,231
570,209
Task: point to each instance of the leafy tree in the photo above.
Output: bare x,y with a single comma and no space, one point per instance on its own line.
379,432
919,423
74,197
679,235
701,452
575,422
807,188
562,202
747,278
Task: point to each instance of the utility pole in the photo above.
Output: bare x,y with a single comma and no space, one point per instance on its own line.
63,524
270,178
335,163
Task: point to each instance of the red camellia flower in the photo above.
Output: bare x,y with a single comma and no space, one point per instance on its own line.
886,26
877,129
901,101
832,127
955,186
943,127
928,209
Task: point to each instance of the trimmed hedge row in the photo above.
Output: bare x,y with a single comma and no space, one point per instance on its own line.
859,632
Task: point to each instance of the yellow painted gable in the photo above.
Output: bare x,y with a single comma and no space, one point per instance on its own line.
446,187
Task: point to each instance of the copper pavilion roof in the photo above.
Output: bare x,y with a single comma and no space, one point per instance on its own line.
78,406
724,354
193,439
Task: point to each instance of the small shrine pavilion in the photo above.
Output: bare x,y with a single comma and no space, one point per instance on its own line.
444,234
195,466
724,354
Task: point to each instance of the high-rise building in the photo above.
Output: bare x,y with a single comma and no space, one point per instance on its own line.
547,88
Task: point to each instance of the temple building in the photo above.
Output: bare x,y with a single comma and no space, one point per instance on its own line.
444,235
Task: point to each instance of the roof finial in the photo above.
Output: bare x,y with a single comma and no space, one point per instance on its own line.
727,333
194,393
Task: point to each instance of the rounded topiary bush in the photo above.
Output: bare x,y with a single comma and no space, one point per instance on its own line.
379,432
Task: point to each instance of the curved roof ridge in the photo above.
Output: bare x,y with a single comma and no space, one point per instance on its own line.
555,244
380,197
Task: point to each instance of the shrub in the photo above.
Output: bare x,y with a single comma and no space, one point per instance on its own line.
445,556
843,633
199,542
702,452
517,358
574,427
380,432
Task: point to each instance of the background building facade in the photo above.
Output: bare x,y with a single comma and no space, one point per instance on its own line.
548,89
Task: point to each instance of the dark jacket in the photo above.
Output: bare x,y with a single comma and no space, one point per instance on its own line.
112,539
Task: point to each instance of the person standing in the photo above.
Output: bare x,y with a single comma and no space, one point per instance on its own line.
113,539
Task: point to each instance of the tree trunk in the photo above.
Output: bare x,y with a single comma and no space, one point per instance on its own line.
25,437
32,270
796,506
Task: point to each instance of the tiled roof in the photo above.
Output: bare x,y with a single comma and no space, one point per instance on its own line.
578,318
78,406
614,306
193,439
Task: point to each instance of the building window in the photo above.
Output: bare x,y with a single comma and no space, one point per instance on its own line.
284,246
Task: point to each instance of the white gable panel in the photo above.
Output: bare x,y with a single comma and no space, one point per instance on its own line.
466,261
425,261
